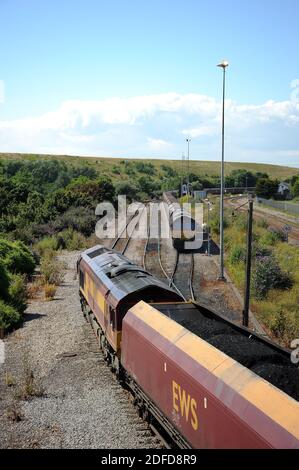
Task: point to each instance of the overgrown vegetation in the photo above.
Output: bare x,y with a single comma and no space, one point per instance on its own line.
17,263
275,272
48,204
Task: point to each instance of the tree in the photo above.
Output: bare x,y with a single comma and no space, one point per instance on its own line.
267,188
147,185
242,178
295,187
126,188
169,171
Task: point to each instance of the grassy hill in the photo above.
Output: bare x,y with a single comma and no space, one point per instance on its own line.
204,168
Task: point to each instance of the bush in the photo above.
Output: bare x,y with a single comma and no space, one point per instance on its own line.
238,253
71,240
145,167
169,171
17,257
268,275
241,221
51,270
4,280
17,292
262,223
126,188
9,317
259,251
284,326
46,244
215,224
271,237
81,219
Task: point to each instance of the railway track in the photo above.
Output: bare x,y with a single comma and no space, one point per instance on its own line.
122,241
274,221
182,276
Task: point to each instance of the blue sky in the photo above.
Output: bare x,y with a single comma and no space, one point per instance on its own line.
63,61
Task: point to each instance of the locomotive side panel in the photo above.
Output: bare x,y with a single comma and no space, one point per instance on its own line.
95,293
211,410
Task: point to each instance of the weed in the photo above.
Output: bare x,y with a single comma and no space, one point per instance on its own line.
50,291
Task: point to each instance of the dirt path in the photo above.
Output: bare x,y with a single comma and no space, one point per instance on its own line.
75,400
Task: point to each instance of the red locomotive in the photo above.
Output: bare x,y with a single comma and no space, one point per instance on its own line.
201,379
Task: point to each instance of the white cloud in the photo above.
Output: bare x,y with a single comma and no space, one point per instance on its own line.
159,145
157,125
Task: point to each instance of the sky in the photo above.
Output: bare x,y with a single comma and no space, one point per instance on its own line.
130,78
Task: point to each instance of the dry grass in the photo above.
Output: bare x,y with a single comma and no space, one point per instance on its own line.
33,289
9,380
30,388
14,413
50,291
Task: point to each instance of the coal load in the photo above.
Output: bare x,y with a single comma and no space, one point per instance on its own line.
263,359
279,375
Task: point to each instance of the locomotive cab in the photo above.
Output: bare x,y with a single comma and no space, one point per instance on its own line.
110,284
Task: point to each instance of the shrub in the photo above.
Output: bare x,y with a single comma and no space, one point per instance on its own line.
51,270
17,257
17,292
126,188
241,222
47,244
169,171
215,224
69,239
284,326
116,170
50,291
9,317
272,236
4,280
145,167
262,223
268,275
238,253
259,251
81,219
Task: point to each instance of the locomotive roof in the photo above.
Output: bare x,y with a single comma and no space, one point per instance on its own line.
120,276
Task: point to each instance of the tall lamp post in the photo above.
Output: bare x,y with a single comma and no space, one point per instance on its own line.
223,65
188,140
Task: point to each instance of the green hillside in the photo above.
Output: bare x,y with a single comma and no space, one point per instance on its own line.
203,168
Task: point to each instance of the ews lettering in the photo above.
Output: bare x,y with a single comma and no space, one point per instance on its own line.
184,404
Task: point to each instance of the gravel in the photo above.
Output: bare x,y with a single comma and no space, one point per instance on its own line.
77,402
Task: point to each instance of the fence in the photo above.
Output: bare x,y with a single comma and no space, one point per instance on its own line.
284,206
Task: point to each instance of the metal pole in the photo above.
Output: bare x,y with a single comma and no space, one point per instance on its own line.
221,277
182,174
209,229
188,167
248,263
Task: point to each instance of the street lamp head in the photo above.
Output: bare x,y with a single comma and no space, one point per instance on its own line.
188,139
223,64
